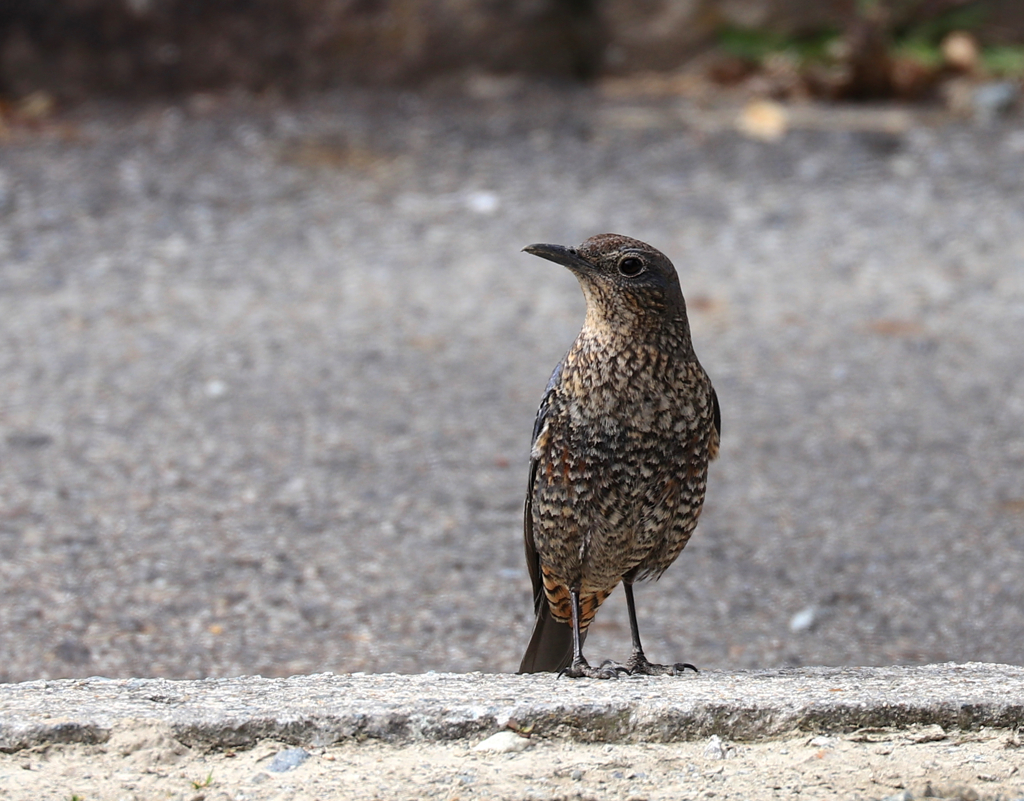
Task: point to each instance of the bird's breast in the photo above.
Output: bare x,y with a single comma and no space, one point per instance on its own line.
632,386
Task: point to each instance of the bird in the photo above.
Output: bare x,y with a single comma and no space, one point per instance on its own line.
619,460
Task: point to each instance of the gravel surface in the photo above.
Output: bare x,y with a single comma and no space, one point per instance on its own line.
880,765
268,375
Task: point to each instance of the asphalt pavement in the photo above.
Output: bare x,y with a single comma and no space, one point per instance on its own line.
268,373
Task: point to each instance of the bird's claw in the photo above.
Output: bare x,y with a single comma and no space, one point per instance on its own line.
582,669
615,667
639,666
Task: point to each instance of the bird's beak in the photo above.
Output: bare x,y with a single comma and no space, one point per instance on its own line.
567,257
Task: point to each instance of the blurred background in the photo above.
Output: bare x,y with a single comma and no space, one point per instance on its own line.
71,49
270,353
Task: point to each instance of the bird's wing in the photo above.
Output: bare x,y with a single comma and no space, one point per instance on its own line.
551,645
532,557
716,435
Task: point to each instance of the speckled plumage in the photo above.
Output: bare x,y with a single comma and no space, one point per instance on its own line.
621,447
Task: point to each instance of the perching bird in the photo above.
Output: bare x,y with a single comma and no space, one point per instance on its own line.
620,452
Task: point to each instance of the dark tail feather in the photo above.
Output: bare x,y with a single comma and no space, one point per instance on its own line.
550,648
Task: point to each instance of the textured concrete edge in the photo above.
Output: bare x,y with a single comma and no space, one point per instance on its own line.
327,709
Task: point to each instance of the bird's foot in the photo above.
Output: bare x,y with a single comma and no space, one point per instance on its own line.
639,666
606,670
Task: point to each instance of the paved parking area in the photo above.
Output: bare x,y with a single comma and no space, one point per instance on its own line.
268,373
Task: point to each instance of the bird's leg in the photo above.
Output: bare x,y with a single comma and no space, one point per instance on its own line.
580,667
638,664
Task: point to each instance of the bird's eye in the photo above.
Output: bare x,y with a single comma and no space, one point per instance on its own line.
631,266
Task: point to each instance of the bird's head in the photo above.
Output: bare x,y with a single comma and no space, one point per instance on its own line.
627,283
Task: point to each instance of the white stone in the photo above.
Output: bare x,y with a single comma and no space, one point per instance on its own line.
504,742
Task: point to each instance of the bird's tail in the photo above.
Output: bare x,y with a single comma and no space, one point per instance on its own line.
550,648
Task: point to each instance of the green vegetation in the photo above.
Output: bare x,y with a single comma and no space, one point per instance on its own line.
1005,62
198,785
909,34
756,45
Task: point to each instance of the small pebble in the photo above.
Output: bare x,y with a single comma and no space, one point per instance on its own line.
288,759
483,202
215,388
803,620
714,748
503,742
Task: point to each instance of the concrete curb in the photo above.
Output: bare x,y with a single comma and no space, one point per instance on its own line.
323,709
